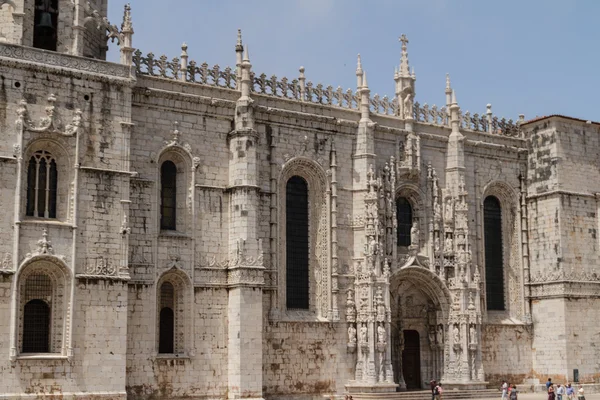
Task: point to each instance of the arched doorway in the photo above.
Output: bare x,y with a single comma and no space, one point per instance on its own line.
420,305
411,359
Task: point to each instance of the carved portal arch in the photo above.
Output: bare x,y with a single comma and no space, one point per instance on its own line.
420,301
509,205
318,233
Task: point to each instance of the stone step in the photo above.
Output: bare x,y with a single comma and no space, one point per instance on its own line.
426,395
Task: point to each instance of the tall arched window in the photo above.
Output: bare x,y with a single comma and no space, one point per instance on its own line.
494,262
166,334
42,180
45,24
36,314
297,242
404,219
168,196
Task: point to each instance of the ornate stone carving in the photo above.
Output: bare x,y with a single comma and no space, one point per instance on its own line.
7,262
100,266
51,122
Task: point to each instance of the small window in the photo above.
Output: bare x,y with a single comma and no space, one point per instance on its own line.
42,181
166,338
36,314
168,196
297,242
404,219
45,24
494,262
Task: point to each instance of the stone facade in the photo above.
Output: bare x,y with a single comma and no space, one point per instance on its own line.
398,286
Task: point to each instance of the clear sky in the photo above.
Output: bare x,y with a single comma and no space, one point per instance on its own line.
536,57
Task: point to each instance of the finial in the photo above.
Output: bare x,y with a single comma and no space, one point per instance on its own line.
358,65
448,87
301,70
454,98
184,48
126,24
404,69
365,85
238,46
246,54
489,109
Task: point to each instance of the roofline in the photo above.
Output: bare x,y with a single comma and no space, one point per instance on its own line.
559,116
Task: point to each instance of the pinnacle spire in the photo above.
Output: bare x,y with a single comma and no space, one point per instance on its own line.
404,68
238,46
246,54
364,82
448,87
454,102
358,65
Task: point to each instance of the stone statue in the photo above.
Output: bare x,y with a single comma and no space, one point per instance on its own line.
408,106
414,234
440,334
456,335
380,334
363,334
448,243
432,336
473,335
351,334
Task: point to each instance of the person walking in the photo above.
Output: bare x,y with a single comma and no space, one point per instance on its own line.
551,393
580,393
560,391
504,389
438,392
432,385
513,392
570,392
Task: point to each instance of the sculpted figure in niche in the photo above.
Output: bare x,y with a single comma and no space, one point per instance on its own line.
351,334
363,334
414,234
408,106
431,336
381,334
456,335
440,334
473,334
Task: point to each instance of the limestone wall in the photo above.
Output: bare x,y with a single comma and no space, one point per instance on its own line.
506,353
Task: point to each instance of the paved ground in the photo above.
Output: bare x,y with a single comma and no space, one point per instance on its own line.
544,396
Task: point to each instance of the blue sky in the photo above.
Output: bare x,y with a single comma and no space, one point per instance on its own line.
533,57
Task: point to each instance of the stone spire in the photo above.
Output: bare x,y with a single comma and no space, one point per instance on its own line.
126,37
239,50
448,92
359,74
405,83
404,68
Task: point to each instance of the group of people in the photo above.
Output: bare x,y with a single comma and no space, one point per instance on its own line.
563,392
436,390
509,391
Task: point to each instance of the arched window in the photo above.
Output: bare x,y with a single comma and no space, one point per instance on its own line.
166,334
42,180
36,314
494,262
404,219
297,242
45,24
168,196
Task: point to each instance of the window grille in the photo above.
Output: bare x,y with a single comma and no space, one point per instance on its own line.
36,314
494,262
297,242
45,24
166,334
42,177
168,197
404,219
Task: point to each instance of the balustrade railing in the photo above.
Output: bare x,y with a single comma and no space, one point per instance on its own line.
306,91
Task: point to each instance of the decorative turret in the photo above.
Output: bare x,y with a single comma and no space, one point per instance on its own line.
126,37
448,93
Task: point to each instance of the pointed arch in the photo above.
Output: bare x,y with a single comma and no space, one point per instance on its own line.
409,204
174,174
174,298
317,249
501,249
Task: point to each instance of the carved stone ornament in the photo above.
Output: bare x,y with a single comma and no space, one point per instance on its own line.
100,266
44,248
51,122
102,23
